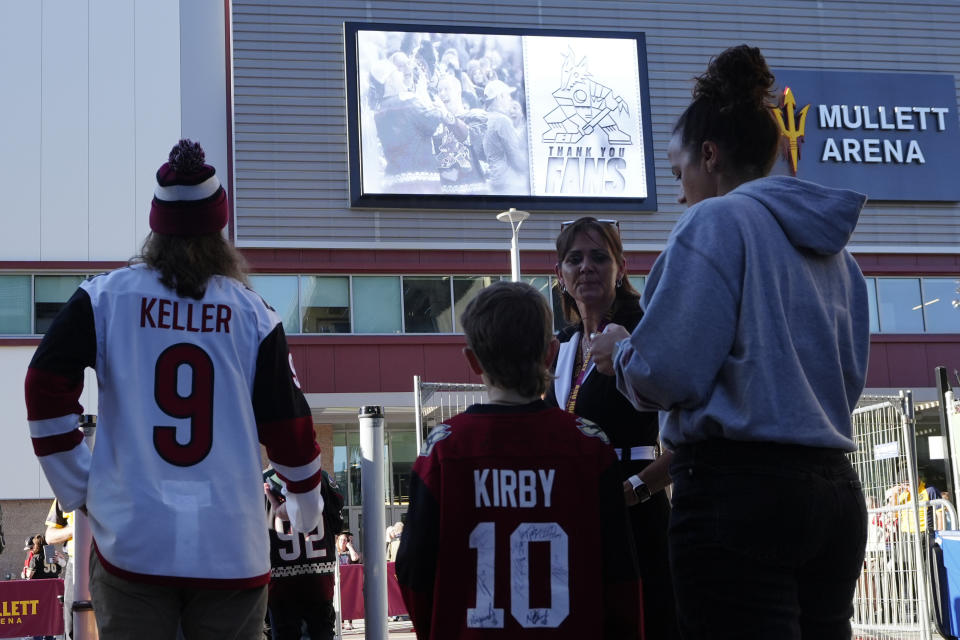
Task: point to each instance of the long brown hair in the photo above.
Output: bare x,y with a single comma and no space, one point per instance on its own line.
186,263
626,295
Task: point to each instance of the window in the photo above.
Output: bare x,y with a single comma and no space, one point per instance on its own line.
941,305
426,304
325,304
14,305
50,294
900,307
376,304
280,292
559,319
403,453
872,301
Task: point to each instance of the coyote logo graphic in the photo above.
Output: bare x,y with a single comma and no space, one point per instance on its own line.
582,105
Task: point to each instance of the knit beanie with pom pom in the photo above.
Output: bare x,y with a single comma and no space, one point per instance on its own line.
188,199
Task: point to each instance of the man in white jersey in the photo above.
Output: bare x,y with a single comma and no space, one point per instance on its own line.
194,374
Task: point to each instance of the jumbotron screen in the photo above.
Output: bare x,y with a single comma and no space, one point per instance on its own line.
442,117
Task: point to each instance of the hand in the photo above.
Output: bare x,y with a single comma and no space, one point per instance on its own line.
270,496
279,507
628,494
602,347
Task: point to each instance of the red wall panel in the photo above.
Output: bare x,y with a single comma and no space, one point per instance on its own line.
908,361
398,365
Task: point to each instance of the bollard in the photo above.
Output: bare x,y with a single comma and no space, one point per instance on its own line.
374,523
84,623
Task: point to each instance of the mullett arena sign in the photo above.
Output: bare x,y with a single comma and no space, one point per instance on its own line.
893,136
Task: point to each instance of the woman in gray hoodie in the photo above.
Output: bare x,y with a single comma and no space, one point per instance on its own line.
754,346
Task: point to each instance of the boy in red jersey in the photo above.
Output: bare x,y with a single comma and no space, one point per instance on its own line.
517,526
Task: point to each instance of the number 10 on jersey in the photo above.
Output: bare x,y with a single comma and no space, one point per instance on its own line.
485,615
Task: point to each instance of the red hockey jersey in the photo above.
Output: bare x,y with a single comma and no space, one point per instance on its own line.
517,528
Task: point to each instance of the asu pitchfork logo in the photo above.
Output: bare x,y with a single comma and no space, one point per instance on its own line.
791,124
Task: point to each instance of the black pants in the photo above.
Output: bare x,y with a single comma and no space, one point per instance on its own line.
288,615
766,541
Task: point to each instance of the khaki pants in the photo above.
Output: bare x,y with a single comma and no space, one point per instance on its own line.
134,610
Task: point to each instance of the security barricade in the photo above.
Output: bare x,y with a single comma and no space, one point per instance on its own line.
434,402
893,595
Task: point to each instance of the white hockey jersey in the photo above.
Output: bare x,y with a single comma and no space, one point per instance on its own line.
188,389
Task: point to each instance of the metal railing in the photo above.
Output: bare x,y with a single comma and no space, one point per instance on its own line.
894,593
435,402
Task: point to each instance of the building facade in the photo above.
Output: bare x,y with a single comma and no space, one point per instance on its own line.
371,296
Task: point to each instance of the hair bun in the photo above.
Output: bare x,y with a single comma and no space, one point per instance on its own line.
739,76
187,157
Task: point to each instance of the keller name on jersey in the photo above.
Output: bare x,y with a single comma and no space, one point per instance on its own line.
522,488
158,313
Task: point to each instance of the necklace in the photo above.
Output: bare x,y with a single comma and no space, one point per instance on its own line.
584,365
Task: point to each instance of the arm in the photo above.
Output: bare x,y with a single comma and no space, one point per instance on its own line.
59,529
52,389
354,554
285,427
58,535
655,475
691,307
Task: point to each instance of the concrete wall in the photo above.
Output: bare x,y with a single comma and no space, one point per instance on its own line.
103,89
21,518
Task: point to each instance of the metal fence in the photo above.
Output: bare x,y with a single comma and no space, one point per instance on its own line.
894,594
435,402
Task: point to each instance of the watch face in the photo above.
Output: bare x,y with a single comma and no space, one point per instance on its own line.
642,492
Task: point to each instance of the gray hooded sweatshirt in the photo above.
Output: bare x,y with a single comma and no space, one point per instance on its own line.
756,321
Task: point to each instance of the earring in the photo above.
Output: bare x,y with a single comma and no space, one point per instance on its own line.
619,282
563,287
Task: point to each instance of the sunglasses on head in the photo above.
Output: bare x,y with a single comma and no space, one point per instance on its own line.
616,223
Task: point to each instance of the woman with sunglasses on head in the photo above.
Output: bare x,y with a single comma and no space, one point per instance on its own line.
754,345
595,291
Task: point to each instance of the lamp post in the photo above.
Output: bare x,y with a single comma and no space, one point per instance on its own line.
515,218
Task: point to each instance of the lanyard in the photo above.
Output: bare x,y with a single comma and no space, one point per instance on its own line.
575,390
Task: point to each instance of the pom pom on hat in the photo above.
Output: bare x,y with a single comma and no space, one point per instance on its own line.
188,199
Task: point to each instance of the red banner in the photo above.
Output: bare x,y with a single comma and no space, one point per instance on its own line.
351,592
31,608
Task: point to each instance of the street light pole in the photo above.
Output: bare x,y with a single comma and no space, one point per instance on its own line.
515,218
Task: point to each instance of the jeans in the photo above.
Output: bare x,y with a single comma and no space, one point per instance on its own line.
766,541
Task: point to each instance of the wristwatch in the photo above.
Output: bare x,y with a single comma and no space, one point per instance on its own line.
642,491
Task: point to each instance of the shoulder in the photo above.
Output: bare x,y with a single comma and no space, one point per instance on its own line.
629,314
248,301
590,429
497,120
438,433
714,229
567,332
122,279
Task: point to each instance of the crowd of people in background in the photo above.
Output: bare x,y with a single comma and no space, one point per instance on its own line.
443,113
